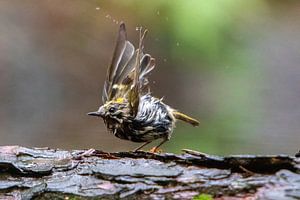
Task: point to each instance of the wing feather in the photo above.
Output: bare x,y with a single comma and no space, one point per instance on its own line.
123,52
127,73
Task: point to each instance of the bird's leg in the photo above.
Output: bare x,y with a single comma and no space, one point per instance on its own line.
156,148
144,144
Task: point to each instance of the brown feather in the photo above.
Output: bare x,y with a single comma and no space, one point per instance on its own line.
185,118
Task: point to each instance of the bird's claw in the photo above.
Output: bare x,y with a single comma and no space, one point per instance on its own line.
155,150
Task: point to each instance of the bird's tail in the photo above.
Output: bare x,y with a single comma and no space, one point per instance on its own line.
185,118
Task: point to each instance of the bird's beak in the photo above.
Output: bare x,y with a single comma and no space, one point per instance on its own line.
99,113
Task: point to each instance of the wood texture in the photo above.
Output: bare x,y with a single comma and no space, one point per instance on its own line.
35,173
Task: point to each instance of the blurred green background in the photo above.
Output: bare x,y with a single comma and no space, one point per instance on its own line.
232,64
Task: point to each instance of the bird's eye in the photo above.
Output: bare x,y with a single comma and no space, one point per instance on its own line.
112,109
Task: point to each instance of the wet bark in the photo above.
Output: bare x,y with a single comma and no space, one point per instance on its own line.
34,173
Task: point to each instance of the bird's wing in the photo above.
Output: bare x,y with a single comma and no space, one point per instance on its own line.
127,74
137,78
123,53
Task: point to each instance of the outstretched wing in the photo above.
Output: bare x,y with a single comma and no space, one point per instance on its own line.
123,53
127,74
143,65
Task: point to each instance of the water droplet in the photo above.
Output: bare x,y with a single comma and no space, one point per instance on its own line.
167,18
165,60
108,16
177,44
158,13
97,8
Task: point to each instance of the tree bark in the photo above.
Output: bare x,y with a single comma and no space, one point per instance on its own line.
43,173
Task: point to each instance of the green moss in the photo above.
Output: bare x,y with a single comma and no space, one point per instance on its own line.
203,197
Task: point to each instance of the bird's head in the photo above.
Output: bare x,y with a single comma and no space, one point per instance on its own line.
113,110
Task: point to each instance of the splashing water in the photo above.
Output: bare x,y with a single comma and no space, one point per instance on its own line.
138,28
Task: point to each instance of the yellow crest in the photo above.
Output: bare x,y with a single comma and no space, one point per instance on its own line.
119,100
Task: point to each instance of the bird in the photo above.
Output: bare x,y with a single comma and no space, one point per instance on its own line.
129,110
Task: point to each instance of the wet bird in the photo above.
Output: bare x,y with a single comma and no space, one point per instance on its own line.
129,110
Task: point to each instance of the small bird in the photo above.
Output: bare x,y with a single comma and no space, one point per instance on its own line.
129,110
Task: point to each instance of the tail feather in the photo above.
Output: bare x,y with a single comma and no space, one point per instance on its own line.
185,118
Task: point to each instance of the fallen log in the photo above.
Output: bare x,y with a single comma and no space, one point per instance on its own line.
43,173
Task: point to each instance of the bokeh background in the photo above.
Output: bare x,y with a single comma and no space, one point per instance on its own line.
233,64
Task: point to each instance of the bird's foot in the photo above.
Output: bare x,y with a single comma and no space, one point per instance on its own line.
155,150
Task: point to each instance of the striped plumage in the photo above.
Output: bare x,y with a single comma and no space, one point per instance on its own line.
129,111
